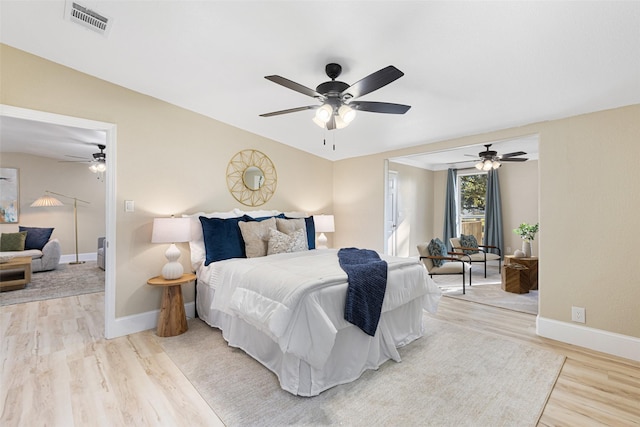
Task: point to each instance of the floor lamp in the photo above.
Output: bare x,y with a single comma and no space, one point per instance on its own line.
50,201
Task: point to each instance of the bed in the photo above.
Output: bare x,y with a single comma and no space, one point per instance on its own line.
286,310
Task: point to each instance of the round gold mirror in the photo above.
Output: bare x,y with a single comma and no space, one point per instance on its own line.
251,177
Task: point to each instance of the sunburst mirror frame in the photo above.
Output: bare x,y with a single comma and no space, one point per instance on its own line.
236,169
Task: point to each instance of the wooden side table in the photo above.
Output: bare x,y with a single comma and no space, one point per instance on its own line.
173,319
15,273
531,263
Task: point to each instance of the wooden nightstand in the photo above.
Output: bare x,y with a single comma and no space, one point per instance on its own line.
173,319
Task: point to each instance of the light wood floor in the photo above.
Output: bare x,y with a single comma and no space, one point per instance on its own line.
58,370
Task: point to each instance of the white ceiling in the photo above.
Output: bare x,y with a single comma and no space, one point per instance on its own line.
470,67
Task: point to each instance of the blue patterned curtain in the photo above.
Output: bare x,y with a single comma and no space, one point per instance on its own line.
493,212
450,209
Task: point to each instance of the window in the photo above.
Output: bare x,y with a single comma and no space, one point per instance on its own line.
472,190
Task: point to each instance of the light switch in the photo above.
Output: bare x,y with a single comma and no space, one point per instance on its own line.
128,206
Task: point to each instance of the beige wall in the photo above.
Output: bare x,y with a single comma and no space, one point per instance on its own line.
581,210
169,161
38,174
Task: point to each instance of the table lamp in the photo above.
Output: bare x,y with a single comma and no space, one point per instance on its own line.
323,224
171,230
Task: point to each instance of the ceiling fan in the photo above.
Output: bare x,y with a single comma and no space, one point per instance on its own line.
490,159
98,160
338,106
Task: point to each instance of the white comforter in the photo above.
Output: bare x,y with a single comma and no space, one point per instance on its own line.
298,299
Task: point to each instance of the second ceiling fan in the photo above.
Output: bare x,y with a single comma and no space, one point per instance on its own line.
490,159
338,107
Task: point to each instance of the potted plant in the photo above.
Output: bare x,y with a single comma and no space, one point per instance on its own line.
527,232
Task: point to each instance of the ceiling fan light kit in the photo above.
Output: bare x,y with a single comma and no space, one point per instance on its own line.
338,107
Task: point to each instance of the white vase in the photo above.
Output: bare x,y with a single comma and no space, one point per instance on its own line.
526,248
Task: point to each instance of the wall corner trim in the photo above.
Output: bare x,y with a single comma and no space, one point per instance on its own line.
144,321
612,343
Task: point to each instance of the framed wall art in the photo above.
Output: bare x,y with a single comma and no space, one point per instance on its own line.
9,192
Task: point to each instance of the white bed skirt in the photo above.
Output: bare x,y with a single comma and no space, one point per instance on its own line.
353,353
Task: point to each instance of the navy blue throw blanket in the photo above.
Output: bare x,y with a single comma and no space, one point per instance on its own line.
367,276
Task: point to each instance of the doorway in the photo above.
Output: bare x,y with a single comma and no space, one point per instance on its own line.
110,214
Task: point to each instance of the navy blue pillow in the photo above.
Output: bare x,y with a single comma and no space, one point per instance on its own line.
311,231
222,238
37,237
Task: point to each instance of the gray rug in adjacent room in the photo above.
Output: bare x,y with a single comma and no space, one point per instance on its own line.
487,291
67,280
453,376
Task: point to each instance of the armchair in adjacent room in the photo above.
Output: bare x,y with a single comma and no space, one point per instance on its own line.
468,248
437,261
101,252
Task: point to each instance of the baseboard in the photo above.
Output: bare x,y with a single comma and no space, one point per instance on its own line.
66,259
144,321
593,339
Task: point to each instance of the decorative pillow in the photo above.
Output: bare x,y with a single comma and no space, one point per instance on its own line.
468,241
196,244
436,248
289,226
12,241
311,230
222,238
256,236
284,243
37,237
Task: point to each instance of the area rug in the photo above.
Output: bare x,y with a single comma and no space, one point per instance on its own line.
487,291
453,376
67,280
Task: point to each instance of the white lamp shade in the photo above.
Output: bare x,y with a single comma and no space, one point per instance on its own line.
46,201
347,113
171,230
324,113
324,223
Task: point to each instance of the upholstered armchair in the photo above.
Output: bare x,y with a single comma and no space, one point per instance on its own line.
452,263
100,253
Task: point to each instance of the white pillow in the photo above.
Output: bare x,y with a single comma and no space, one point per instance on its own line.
196,244
256,214
284,243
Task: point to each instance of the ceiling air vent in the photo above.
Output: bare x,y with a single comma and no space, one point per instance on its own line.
87,18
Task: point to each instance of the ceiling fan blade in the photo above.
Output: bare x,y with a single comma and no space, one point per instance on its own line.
515,153
379,107
514,159
471,155
373,82
290,110
294,86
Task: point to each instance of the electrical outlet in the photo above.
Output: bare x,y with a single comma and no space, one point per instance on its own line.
508,249
578,314
128,206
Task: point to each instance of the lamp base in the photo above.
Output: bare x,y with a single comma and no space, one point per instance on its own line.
77,262
173,269
322,241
